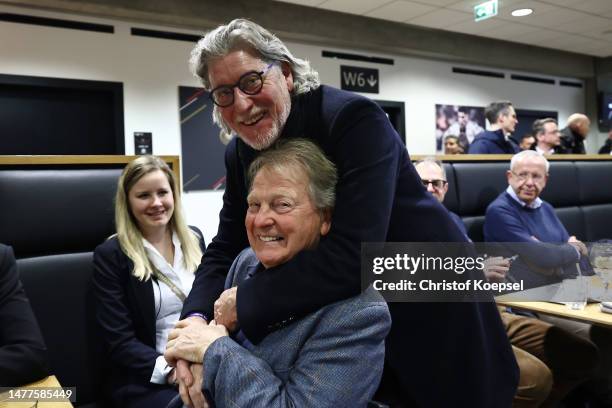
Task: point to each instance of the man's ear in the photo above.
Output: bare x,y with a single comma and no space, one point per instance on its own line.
288,75
326,222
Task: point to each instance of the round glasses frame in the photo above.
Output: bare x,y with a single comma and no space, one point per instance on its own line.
249,83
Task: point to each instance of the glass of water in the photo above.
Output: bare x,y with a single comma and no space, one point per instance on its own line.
575,291
600,256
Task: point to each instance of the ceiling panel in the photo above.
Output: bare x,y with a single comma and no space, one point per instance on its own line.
536,37
557,17
471,27
441,18
509,30
571,25
586,25
595,6
353,6
468,5
439,3
400,11
310,3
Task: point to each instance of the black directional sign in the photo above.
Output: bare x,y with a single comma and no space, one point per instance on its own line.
359,79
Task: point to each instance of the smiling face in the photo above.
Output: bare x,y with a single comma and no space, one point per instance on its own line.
257,119
281,219
528,178
151,202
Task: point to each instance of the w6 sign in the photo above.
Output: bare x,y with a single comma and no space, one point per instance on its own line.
359,79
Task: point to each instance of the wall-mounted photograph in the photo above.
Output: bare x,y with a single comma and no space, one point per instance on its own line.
456,127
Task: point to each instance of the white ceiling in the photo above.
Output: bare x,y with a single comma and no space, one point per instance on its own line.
580,26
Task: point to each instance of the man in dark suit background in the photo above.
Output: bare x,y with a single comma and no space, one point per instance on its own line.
23,356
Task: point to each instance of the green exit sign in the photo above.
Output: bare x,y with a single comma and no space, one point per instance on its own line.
485,10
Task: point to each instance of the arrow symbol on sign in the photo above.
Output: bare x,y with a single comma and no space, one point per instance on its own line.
372,81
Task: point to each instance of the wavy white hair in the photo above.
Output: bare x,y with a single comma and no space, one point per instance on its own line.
242,33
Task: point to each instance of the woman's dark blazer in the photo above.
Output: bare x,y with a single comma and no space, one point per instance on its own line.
125,312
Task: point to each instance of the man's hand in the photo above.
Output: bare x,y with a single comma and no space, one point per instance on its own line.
579,245
194,321
192,396
189,341
496,268
225,309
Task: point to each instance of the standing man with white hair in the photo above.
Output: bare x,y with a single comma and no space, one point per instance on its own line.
574,134
263,93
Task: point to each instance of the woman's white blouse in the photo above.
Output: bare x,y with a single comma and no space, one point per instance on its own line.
167,305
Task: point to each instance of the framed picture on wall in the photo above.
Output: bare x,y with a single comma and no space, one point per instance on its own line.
465,122
202,152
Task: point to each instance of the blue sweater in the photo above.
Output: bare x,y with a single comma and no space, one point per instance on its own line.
489,142
545,255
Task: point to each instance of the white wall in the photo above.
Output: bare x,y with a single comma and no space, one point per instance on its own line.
151,71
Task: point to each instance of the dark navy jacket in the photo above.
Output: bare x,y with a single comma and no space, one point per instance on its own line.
444,354
489,142
23,354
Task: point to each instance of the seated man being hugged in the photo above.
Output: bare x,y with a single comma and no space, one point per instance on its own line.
141,278
330,358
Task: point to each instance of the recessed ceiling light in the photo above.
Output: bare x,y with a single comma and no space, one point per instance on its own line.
522,12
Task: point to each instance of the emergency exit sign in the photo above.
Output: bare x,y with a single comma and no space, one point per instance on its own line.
485,10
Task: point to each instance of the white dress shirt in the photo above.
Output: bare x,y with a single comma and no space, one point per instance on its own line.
167,305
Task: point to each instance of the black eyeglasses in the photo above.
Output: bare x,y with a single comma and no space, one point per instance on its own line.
436,183
250,83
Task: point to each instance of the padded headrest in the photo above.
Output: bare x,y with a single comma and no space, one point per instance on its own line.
572,219
562,187
58,288
474,227
56,211
597,221
478,185
595,182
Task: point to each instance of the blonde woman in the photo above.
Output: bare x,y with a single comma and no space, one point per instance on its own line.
142,275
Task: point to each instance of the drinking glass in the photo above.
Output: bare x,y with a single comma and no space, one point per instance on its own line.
601,260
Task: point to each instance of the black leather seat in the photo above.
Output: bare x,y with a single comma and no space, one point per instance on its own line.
54,217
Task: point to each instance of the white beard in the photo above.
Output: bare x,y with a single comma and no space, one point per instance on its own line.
266,139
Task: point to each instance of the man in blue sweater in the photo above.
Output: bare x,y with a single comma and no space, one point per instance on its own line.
496,140
548,255
518,215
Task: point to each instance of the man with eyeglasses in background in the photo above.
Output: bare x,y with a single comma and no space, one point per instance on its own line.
263,93
434,180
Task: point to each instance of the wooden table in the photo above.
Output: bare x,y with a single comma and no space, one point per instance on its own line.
49,382
590,314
